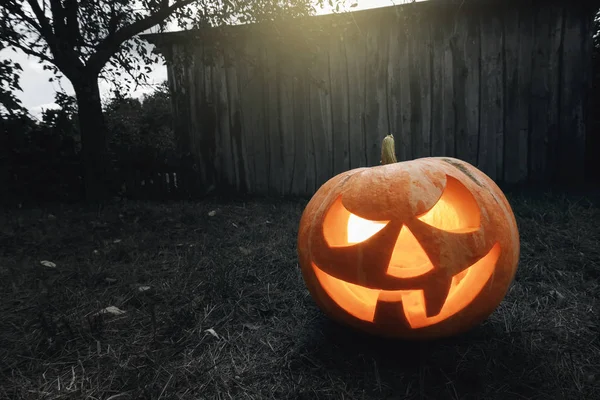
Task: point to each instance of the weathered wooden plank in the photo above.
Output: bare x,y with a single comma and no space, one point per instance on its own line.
404,140
511,132
286,120
552,111
421,86
177,79
448,111
438,143
320,117
223,155
206,146
198,113
338,83
253,128
571,139
376,112
459,79
444,24
235,123
303,149
260,134
303,127
355,48
173,77
526,29
466,86
249,110
592,141
394,72
518,47
193,95
544,93
491,133
275,154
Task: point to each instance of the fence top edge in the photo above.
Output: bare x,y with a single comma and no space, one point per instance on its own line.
208,34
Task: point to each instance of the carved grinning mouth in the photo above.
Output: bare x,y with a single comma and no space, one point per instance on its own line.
363,302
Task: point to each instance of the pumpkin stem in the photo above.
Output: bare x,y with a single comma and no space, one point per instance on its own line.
388,152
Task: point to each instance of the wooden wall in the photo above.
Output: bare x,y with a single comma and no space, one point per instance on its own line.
281,108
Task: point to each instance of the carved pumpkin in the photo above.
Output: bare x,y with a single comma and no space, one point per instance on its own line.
416,249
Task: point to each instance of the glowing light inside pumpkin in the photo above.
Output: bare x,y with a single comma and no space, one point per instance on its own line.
361,302
342,228
360,229
408,258
455,211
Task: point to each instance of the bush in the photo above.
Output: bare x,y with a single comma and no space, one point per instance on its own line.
40,161
132,123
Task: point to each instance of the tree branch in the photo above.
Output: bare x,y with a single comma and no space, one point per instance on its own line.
27,50
19,11
64,58
45,27
72,24
58,18
113,21
124,65
66,26
109,46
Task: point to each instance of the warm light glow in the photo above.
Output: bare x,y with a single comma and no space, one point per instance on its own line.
341,228
465,286
360,229
408,258
442,216
361,302
455,211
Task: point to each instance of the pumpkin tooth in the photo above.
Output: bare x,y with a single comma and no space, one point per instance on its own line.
435,295
390,311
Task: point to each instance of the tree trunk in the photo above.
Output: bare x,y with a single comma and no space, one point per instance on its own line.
93,138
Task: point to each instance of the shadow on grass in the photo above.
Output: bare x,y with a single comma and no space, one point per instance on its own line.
482,363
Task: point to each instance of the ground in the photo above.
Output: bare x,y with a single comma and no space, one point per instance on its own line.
210,304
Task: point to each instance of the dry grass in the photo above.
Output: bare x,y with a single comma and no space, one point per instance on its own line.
227,315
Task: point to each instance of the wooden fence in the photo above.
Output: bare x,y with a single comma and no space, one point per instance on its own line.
282,107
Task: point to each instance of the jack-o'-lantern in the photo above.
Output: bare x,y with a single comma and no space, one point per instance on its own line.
416,249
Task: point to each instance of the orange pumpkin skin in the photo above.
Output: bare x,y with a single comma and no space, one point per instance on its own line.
437,262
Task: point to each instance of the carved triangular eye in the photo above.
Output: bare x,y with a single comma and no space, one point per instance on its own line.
342,228
455,211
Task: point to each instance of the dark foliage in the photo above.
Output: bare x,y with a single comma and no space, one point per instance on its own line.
141,123
42,160
10,105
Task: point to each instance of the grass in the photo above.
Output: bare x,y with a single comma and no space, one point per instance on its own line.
215,308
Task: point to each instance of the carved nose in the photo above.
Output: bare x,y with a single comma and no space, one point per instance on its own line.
408,260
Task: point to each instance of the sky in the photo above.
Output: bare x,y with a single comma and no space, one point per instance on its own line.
38,92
